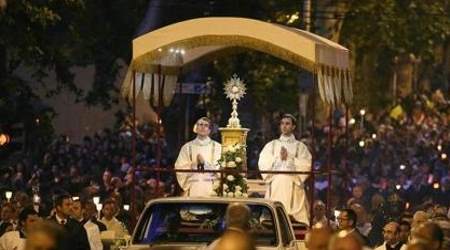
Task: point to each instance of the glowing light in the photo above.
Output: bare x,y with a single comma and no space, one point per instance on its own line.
96,200
4,139
439,147
292,18
362,112
398,186
402,167
443,156
362,143
352,121
126,207
8,195
436,185
36,198
374,136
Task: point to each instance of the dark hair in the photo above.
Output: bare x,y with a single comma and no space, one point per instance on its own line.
351,215
291,117
109,202
436,231
58,200
23,215
405,223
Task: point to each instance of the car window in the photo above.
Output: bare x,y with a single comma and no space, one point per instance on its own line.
199,223
286,235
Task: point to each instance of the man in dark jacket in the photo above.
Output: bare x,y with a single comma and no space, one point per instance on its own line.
75,237
347,220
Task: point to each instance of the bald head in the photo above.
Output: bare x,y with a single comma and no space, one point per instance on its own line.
318,237
430,233
344,240
419,218
233,240
417,246
238,215
391,233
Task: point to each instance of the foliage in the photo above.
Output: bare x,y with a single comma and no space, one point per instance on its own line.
42,38
377,31
233,184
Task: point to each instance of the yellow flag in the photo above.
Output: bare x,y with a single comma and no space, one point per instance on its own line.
396,112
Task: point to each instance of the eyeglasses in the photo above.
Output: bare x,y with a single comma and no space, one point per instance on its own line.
203,124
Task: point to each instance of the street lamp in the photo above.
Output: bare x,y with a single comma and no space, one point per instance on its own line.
362,112
8,195
352,121
96,200
99,209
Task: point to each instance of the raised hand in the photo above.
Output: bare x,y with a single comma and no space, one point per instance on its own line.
283,153
200,162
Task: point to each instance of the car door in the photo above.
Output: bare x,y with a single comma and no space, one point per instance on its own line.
286,234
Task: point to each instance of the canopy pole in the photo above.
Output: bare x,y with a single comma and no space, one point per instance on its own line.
158,126
329,168
313,150
133,155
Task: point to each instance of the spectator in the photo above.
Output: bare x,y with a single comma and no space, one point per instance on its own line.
430,233
28,218
92,230
111,222
347,221
392,240
47,236
405,229
237,219
318,237
75,234
319,213
346,240
419,218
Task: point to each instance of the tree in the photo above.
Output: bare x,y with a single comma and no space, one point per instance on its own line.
378,31
53,36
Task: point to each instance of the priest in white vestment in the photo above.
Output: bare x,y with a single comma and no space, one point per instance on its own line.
202,153
287,154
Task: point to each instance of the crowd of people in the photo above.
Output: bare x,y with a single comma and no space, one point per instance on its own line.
420,235
388,165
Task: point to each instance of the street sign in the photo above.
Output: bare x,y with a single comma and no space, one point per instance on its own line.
192,88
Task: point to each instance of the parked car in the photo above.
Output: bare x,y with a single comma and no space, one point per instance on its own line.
193,223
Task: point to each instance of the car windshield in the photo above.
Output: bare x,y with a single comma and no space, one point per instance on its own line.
199,223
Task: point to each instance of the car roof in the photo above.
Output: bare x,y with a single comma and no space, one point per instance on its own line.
218,200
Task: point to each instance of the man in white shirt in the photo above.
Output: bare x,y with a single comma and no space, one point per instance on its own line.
92,230
202,153
391,235
15,240
111,222
287,154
